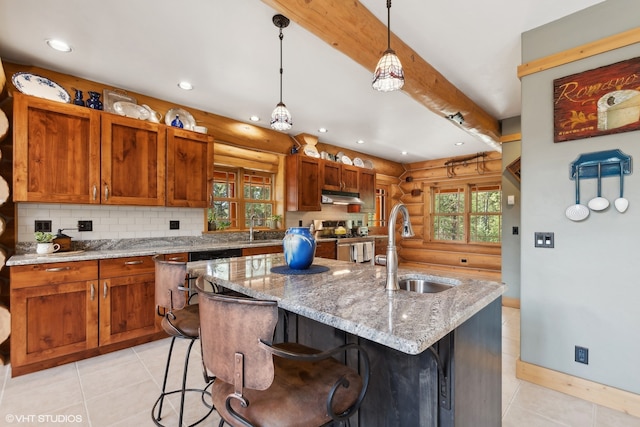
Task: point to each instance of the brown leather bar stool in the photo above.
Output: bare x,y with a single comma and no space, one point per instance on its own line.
179,320
261,384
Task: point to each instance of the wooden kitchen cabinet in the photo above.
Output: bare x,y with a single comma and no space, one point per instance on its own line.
189,168
127,299
133,154
326,250
54,312
56,152
367,189
340,177
303,176
261,250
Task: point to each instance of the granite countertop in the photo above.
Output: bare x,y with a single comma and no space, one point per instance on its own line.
133,249
352,297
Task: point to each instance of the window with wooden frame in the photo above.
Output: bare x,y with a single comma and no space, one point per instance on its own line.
467,214
233,209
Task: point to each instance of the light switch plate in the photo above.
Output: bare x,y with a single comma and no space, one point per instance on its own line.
543,239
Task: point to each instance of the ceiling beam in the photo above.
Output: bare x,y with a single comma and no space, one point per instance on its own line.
350,27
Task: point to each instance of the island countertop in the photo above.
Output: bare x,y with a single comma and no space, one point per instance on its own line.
352,297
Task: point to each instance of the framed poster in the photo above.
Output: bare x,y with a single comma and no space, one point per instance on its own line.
597,102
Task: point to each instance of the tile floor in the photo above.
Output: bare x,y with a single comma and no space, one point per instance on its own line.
119,389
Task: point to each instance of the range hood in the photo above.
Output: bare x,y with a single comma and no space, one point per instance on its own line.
341,198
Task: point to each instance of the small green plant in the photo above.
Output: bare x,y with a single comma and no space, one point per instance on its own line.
275,219
43,237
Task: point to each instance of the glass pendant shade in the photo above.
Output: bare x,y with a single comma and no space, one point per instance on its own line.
281,118
389,75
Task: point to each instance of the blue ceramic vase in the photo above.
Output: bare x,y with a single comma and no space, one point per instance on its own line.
299,248
94,101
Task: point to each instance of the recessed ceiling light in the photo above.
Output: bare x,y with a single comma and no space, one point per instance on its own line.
459,143
360,141
185,85
323,130
59,45
404,153
254,118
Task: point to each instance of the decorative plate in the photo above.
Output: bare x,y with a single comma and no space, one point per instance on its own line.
346,160
358,162
42,87
368,164
188,122
111,96
130,109
311,151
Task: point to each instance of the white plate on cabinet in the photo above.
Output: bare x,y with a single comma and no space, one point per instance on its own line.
42,87
358,162
129,109
368,164
188,122
346,160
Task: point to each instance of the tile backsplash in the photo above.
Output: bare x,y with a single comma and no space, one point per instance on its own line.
109,222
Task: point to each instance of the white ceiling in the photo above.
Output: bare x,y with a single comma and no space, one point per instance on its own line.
229,51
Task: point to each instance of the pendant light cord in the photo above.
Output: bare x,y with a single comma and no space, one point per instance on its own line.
281,36
388,25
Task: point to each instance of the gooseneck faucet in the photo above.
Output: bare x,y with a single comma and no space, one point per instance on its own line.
251,221
392,253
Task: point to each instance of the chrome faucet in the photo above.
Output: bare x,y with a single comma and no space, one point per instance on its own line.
251,221
391,260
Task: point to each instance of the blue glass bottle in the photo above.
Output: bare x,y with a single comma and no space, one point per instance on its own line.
78,99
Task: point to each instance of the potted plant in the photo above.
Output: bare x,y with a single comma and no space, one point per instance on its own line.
275,219
211,220
44,243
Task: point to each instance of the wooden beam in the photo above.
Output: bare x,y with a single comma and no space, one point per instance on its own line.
606,44
352,29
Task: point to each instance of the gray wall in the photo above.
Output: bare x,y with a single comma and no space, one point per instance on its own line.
511,214
585,291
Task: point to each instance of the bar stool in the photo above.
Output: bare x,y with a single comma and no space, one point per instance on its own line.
259,383
179,320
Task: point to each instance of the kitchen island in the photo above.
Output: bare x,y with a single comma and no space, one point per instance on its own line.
435,358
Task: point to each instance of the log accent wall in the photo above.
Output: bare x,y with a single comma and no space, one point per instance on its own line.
420,251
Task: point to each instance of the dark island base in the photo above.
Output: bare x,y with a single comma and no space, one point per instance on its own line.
410,390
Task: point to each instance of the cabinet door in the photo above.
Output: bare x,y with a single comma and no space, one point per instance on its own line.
53,321
189,168
368,189
331,176
276,249
350,181
303,183
127,308
56,152
326,250
133,161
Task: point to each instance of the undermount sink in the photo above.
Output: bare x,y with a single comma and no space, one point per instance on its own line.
423,286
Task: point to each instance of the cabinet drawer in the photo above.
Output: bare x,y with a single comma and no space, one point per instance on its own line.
126,266
179,257
262,250
25,276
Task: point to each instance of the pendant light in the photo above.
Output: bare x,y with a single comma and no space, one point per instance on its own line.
281,118
389,75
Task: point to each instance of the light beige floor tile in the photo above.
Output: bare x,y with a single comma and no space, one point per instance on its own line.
28,399
74,415
510,346
553,405
103,381
43,378
122,403
606,417
106,361
520,417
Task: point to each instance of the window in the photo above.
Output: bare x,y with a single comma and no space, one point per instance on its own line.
379,217
467,214
233,209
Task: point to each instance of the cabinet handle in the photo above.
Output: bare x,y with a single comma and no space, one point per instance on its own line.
95,192
106,192
93,291
56,269
104,290
133,262
176,258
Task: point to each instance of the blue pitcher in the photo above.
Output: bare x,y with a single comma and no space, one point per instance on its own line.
299,248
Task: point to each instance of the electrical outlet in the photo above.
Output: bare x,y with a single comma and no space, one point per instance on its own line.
42,225
543,239
582,355
514,230
174,225
85,225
